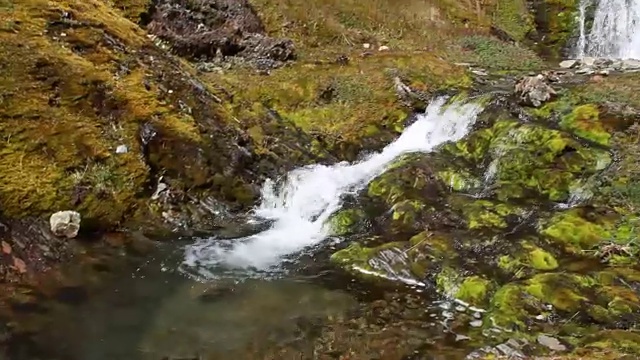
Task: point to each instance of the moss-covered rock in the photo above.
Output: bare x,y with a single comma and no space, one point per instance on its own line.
488,214
532,159
604,234
347,221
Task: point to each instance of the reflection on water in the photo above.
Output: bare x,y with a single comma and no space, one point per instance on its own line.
149,313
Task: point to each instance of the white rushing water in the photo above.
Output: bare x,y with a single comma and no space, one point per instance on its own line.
300,205
615,32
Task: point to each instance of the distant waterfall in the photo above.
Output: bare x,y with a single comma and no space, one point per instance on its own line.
615,32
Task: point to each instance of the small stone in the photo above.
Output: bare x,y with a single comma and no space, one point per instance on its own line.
480,72
383,48
551,342
604,72
460,337
477,315
366,45
476,323
122,149
65,223
568,64
460,308
541,317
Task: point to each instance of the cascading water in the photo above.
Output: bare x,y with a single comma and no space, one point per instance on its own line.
300,206
615,32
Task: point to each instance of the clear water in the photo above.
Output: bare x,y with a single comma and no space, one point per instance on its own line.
615,32
148,309
300,204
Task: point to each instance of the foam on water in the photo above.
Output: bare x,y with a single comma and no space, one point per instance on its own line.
300,204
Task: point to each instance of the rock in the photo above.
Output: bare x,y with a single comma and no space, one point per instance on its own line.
585,71
602,62
551,342
534,91
480,72
65,223
568,64
383,48
588,61
366,46
630,64
216,30
122,149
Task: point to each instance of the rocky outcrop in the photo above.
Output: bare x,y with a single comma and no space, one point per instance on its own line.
534,91
206,29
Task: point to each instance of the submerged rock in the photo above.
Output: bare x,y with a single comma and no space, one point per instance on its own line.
65,224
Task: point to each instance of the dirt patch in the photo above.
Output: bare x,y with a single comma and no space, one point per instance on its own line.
206,29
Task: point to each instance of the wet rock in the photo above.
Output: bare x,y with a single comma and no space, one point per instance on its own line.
534,91
588,61
585,71
65,224
218,29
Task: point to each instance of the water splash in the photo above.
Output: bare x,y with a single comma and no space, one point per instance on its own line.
300,205
615,32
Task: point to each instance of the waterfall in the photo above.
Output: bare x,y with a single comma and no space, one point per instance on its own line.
300,205
615,32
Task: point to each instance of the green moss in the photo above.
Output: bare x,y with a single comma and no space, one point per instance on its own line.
459,180
487,214
584,122
356,260
407,211
542,260
474,290
558,25
562,291
346,221
628,341
532,159
581,231
509,307
513,18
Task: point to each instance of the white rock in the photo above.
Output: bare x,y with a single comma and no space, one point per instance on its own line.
383,48
122,149
630,64
366,45
551,342
588,61
476,323
585,70
65,223
568,64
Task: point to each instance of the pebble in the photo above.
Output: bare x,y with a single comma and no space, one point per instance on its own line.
476,323
383,48
366,46
122,149
568,64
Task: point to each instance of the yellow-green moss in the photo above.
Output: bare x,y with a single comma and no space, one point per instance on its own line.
344,221
474,290
584,122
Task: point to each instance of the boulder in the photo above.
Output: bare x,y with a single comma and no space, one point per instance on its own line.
534,91
65,223
568,64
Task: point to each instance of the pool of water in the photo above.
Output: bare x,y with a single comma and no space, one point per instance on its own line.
148,310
